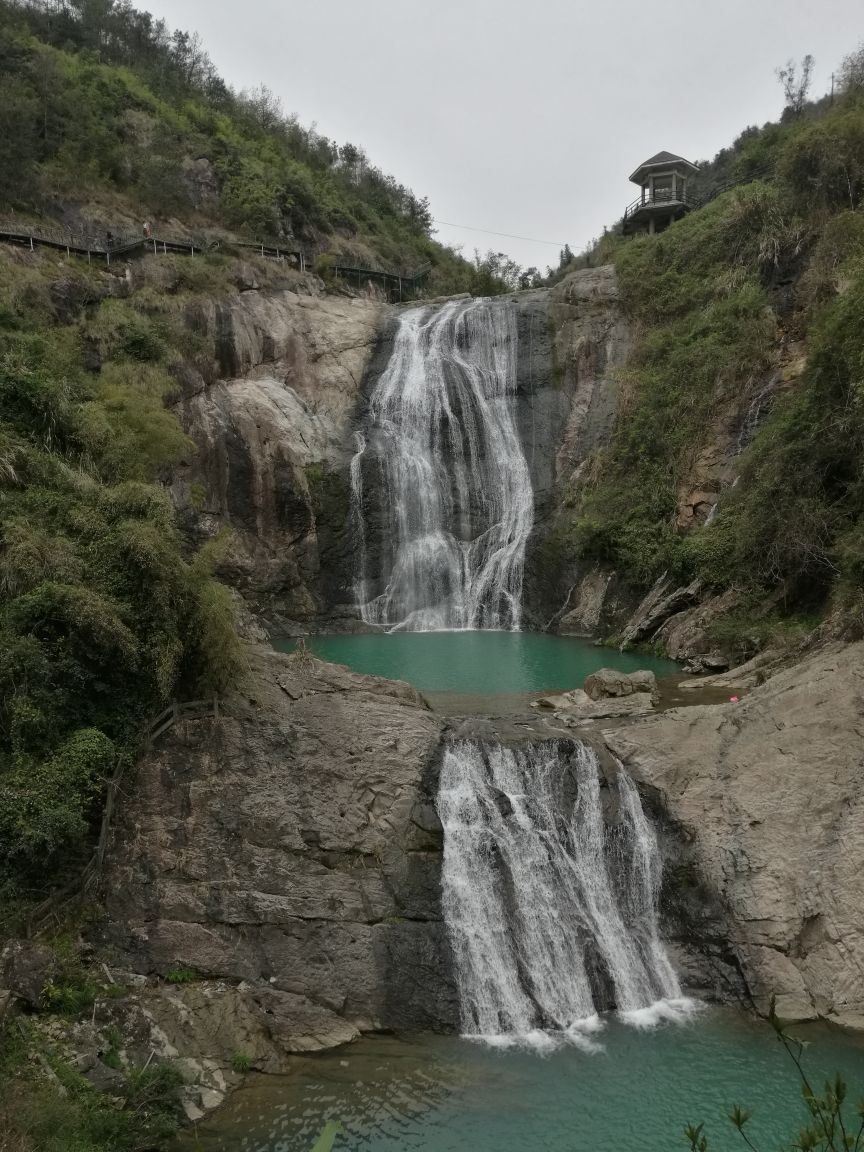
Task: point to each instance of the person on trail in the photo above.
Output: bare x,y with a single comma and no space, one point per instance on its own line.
148,231
109,238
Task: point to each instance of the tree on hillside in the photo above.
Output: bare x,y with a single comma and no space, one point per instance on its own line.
263,105
795,81
493,272
851,78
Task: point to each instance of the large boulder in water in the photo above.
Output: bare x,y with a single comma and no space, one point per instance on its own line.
610,682
577,707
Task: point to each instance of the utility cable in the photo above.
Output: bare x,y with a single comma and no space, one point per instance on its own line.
507,235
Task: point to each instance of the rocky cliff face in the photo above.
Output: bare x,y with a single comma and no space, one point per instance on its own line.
273,421
291,848
573,342
772,790
273,426
572,383
273,437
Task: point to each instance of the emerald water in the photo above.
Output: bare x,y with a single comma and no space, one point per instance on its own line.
442,1094
478,662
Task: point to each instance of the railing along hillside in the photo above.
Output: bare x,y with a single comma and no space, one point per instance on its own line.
110,247
395,284
24,235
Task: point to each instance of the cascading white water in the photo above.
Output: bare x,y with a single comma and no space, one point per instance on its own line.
532,908
457,505
642,892
357,515
756,411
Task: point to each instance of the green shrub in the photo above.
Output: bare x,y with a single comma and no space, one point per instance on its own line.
797,518
72,987
104,613
35,1116
703,335
822,163
45,804
182,976
119,331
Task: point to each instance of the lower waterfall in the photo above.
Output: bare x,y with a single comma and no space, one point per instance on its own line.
550,918
447,507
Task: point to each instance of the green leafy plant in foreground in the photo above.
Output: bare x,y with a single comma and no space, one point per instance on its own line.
325,1141
833,1125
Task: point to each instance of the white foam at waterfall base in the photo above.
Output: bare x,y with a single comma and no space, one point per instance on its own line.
454,486
527,890
675,1011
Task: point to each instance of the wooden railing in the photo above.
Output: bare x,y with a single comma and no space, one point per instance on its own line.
31,236
396,284
188,710
24,235
303,260
65,240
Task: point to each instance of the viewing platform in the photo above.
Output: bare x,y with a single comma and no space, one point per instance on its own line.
664,196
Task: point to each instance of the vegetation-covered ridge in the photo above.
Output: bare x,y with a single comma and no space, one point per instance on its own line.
108,119
749,316
105,612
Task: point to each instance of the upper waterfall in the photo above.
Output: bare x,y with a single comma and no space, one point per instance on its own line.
550,918
449,505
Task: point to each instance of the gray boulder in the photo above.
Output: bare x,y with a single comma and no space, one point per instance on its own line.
577,707
610,682
25,969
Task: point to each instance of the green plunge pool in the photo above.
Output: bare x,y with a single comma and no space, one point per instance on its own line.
485,663
443,1094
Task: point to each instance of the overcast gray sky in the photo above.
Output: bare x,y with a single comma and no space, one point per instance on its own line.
515,116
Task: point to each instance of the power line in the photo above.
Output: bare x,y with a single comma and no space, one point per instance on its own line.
507,235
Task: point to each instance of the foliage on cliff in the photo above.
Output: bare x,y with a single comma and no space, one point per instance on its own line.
718,299
104,613
102,107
